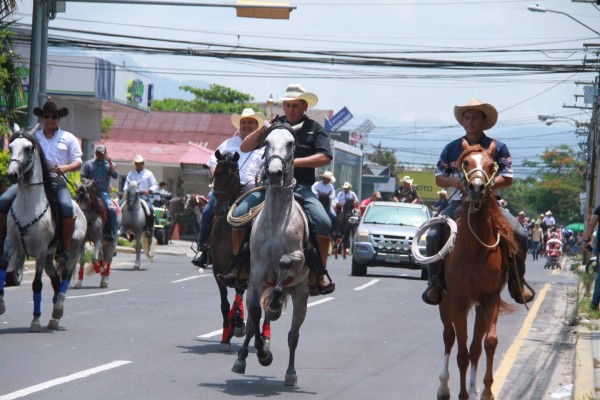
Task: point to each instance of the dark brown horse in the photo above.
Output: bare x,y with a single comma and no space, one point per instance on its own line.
343,229
475,274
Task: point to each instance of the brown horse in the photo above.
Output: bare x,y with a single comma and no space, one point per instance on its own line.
475,274
344,229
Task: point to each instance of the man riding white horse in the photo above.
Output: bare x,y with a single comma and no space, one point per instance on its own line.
249,164
100,169
62,155
312,150
146,183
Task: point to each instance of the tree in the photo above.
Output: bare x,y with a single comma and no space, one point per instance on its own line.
383,157
216,99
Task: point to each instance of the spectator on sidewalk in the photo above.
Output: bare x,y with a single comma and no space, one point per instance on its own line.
593,247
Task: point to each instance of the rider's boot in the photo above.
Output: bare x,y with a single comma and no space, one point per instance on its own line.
68,227
325,285
435,283
201,258
517,286
239,238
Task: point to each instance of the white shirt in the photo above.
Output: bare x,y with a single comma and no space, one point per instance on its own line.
145,180
343,196
248,163
323,188
61,149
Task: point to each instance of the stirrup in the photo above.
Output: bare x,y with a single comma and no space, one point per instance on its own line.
430,301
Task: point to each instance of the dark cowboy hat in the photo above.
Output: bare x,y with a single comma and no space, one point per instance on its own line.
50,107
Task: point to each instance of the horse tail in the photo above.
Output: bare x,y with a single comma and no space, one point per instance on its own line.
273,311
148,247
506,308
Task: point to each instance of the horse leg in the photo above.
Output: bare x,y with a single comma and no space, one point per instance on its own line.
105,268
481,324
3,268
491,342
225,344
253,306
36,287
238,305
449,335
462,357
79,282
138,249
299,299
266,332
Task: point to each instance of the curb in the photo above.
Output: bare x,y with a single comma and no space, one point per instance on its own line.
157,250
584,382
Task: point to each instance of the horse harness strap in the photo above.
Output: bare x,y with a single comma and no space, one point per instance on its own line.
23,229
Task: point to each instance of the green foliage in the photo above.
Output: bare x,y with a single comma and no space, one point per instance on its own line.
383,156
560,181
106,124
216,99
12,95
4,159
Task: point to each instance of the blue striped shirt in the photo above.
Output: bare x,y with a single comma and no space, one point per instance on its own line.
99,171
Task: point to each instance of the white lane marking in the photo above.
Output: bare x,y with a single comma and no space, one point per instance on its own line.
60,381
220,331
366,285
316,303
98,294
189,278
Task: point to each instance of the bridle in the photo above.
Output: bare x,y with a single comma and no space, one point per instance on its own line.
26,167
287,163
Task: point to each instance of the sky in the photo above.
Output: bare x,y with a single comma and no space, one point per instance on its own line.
412,108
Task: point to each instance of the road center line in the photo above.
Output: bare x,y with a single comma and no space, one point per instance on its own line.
316,303
510,357
366,285
189,278
98,294
65,379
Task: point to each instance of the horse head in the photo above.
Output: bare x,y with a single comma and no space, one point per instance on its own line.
132,196
226,181
478,170
348,208
279,155
23,148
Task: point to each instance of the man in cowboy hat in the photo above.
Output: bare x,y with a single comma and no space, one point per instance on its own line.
249,165
324,188
475,117
407,193
345,195
549,219
101,169
146,183
442,203
63,154
313,150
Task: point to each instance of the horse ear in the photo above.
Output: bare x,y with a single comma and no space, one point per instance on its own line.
236,156
492,148
464,143
296,128
218,155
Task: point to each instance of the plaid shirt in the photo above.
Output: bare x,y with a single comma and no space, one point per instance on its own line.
99,172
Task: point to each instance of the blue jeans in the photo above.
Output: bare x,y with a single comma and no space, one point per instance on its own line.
112,213
317,216
58,187
207,220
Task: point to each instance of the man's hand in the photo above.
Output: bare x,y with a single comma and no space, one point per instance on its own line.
588,245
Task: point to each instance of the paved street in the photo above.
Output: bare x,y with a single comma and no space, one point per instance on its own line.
154,334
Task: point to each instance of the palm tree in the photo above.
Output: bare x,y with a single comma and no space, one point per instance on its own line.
7,7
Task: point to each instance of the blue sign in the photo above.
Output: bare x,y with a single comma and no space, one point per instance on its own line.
338,120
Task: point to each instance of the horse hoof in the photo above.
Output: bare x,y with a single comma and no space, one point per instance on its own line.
224,347
35,327
136,267
240,331
53,324
104,282
78,284
291,380
59,306
239,367
2,307
267,359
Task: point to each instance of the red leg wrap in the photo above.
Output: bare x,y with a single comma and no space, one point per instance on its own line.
267,331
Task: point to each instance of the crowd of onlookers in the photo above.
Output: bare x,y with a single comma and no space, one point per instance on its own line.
541,231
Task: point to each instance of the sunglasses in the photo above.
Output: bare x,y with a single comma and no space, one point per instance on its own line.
50,116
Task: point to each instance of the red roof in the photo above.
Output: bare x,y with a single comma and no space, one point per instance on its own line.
207,129
163,153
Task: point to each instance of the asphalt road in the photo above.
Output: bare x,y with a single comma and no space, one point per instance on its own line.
153,334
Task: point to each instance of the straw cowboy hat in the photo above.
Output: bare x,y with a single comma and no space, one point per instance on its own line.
295,91
247,113
443,192
328,175
548,213
50,107
407,179
377,195
521,212
138,159
346,185
474,104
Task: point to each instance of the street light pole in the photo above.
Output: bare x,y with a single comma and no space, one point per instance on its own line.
537,8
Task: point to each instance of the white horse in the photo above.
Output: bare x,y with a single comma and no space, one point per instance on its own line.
133,221
277,246
104,250
31,226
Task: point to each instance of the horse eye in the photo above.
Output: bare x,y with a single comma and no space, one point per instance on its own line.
465,164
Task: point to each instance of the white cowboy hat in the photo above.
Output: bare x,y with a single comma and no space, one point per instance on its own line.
346,185
328,175
407,179
247,113
138,159
443,192
490,112
548,212
295,91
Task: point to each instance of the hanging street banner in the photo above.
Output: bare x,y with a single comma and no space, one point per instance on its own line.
338,120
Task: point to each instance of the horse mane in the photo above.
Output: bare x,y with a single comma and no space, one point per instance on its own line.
36,144
90,186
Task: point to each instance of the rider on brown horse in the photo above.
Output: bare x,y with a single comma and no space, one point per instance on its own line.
475,117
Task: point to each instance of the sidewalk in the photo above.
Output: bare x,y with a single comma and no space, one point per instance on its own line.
175,248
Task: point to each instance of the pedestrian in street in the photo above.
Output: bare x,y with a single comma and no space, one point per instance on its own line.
537,237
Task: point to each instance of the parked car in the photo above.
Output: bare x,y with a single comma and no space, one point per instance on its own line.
384,237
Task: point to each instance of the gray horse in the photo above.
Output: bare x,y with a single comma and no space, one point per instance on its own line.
133,221
31,227
104,250
278,270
